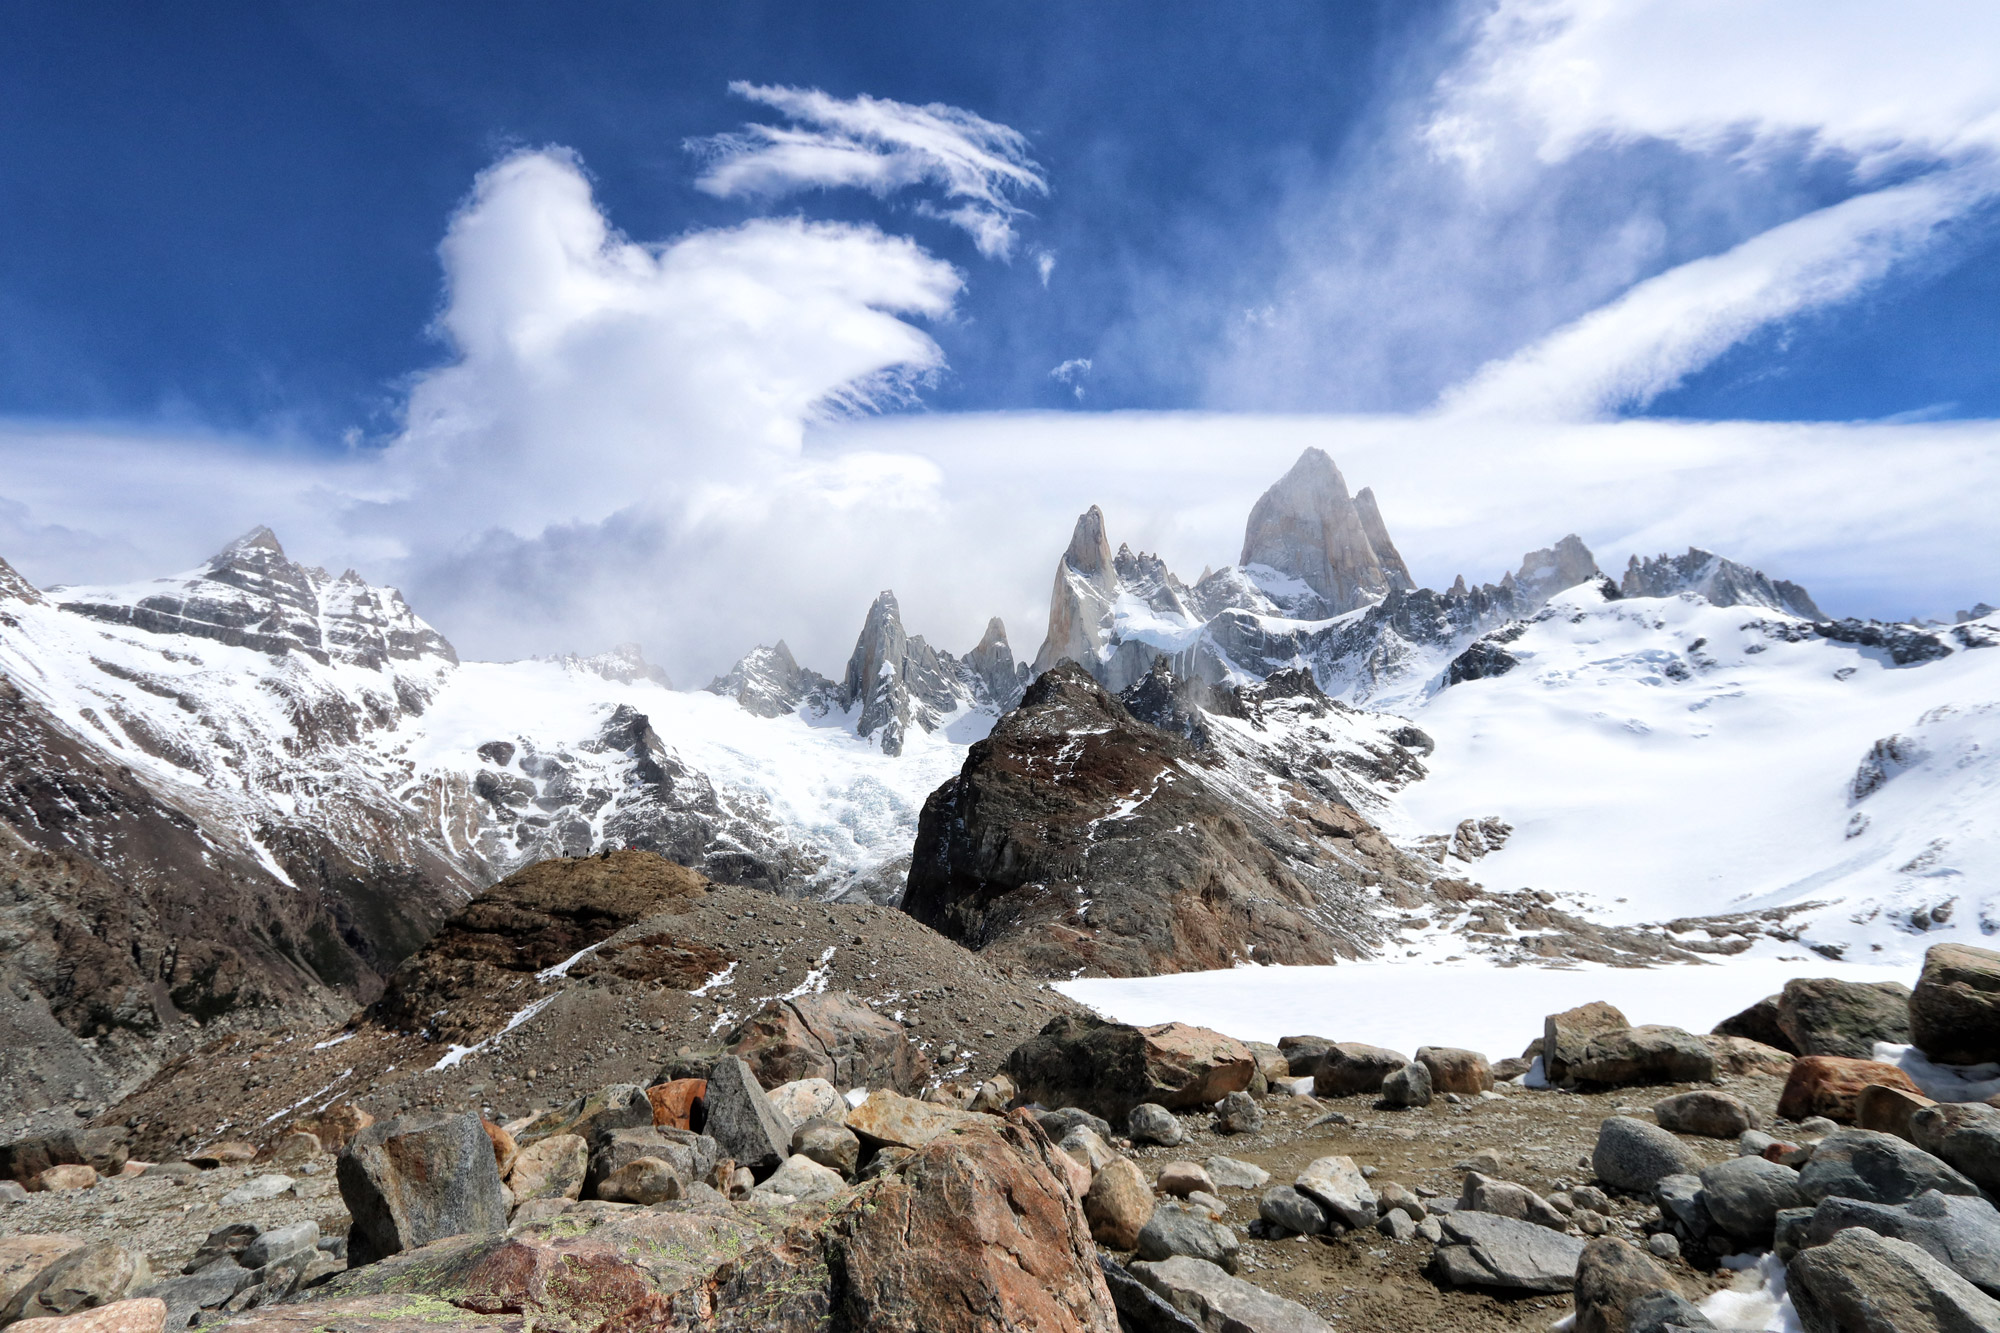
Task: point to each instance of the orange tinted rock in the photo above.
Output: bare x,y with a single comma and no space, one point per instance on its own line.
336,1126
1830,1085
675,1103
1888,1110
504,1148
978,1232
22,1259
144,1315
906,1122
70,1176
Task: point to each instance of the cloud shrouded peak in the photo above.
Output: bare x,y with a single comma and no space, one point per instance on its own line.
882,146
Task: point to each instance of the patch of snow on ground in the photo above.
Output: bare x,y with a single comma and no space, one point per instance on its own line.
1484,1008
1941,1083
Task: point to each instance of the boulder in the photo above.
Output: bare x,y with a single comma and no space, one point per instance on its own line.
1964,1135
1395,1195
68,1176
1745,1194
1504,1198
1229,1173
1758,1023
1303,1054
1238,1113
742,1119
230,1239
832,1036
888,1118
1058,1123
411,1180
994,1096
1338,1187
677,1103
1109,1068
1181,1179
1712,1115
1870,1284
691,1156
103,1150
189,1294
336,1126
1452,1070
1888,1110
1119,1205
550,1168
614,1106
1349,1067
977,1229
22,1258
1955,1008
1823,1016
82,1279
1829,1085
1215,1302
1283,1206
1565,1035
1737,1055
1963,1233
138,1315
1174,1229
1140,1308
1611,1277
830,1143
1879,1168
1622,1057
1153,1123
808,1099
1483,1250
1408,1087
1663,1311
227,1153
1088,1147
279,1244
1633,1155
643,1180
800,1178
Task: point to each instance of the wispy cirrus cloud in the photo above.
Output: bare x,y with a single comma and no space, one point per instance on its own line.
882,146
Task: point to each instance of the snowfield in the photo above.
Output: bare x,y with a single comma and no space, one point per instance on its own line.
1661,757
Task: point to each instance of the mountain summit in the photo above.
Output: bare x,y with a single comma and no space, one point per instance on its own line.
1308,526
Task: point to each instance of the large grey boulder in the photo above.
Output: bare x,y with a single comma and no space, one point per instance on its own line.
279,1243
1408,1086
1962,1233
1652,1054
1504,1198
1337,1186
1633,1155
1745,1194
1153,1123
1860,1282
1218,1303
1880,1168
1825,1016
742,1119
188,1294
1140,1308
1173,1230
1610,1277
1482,1250
419,1178
1965,1135
1663,1312
1349,1067
1283,1206
1955,1008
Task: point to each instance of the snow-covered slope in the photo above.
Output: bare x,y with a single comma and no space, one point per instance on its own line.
1662,757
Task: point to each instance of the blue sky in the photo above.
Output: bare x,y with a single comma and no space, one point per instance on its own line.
293,259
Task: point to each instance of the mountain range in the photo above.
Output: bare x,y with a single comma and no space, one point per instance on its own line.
254,789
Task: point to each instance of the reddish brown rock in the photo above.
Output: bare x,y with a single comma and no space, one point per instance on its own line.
336,1126
978,1233
1565,1035
1887,1110
22,1259
1452,1070
677,1104
1829,1085
144,1315
831,1036
69,1176
505,1150
1109,1068
1118,1205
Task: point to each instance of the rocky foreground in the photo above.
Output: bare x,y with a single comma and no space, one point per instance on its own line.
816,1171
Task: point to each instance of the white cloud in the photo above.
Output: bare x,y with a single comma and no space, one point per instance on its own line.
1045,264
882,146
1627,353
1072,372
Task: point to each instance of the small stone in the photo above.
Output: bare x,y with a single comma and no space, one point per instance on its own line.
1181,1179
1431,1229
1230,1173
1173,1230
260,1188
1407,1087
1284,1207
1153,1123
1632,1155
1088,1147
800,1178
1752,1142
1504,1198
1393,1194
1238,1113
1208,1203
1712,1115
279,1244
644,1180
1663,1245
994,1096
830,1143
1337,1186
67,1176
1119,1205
1397,1225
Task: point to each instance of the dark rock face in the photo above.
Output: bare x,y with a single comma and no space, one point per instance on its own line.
418,1178
1722,582
1863,1281
1876,1168
1828,1017
1960,1232
1077,835
742,1119
1955,1009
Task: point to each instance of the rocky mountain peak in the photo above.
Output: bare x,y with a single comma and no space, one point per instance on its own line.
625,664
17,589
1553,569
1089,552
993,665
1393,567
769,681
259,540
1308,526
1722,582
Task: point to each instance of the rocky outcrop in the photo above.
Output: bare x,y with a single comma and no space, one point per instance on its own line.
831,1036
1308,527
896,679
770,682
992,664
1110,1068
1955,1008
1722,582
1077,835
415,1179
